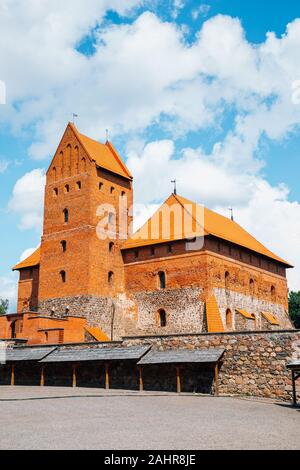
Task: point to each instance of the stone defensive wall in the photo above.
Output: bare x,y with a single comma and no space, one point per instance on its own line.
253,364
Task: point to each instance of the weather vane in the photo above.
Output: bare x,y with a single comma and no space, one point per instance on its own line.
174,182
74,117
231,211
107,135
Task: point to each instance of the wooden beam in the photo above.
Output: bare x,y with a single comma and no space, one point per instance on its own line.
141,381
294,388
106,376
42,381
178,379
217,380
12,377
74,382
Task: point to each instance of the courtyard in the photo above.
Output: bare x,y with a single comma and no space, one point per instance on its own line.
80,418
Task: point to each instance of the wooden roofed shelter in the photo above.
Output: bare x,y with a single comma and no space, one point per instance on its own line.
295,369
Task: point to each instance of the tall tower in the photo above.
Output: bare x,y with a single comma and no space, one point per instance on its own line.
81,271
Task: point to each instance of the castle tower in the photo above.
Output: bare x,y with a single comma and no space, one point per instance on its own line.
88,190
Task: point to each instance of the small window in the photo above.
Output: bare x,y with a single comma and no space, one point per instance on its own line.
170,248
162,318
227,278
63,245
152,251
66,216
123,194
162,280
67,188
112,190
78,185
111,247
273,293
136,254
63,276
100,186
110,278
55,192
228,319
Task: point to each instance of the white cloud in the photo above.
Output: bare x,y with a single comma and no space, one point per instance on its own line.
28,198
202,10
9,290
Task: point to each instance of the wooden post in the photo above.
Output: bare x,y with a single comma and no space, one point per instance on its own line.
294,388
141,378
178,379
74,384
106,376
217,380
12,378
42,381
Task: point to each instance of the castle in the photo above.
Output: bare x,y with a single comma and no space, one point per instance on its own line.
187,270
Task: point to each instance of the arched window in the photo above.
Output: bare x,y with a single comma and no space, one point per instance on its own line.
83,165
227,279
273,293
66,215
110,278
64,245
162,280
228,319
123,194
67,188
78,185
69,156
76,159
100,186
251,285
112,190
111,247
54,173
61,157
162,318
55,192
63,276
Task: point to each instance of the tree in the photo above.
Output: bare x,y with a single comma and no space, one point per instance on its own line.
294,308
3,306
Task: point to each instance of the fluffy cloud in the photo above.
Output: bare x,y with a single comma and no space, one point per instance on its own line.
9,290
27,199
144,74
136,78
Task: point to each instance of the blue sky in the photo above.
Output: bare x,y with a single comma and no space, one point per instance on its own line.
156,74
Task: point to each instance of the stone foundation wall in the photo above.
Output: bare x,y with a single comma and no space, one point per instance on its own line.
228,299
183,307
253,364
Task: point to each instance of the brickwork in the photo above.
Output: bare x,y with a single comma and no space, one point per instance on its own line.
28,289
